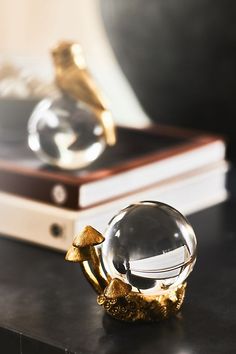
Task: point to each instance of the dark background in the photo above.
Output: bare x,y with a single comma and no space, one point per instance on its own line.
180,58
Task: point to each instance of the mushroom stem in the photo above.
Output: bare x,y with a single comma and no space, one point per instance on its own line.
93,272
91,277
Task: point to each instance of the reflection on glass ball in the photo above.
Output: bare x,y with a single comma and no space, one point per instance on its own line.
65,133
149,245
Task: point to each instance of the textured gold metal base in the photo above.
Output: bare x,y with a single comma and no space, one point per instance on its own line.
139,307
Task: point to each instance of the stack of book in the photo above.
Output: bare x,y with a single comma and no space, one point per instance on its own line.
39,204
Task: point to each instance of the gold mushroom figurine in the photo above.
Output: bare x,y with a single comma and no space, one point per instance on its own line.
139,268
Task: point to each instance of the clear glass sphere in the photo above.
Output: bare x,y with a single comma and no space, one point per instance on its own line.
65,133
149,245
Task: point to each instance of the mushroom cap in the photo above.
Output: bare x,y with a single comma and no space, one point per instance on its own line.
75,254
88,237
117,288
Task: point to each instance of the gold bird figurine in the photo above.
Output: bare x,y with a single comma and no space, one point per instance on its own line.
73,78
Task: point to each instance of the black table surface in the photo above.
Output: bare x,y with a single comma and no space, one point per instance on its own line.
47,307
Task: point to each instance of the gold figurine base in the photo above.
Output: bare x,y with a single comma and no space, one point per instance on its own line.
138,307
116,296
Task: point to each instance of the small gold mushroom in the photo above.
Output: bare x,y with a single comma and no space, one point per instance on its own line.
88,237
117,288
75,254
82,247
84,252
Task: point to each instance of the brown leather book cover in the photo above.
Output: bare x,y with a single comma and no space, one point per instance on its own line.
22,174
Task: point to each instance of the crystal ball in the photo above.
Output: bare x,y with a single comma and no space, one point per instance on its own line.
150,246
65,133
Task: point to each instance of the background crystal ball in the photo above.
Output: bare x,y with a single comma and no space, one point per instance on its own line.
65,133
149,245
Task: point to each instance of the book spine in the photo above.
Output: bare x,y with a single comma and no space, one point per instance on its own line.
57,193
33,222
